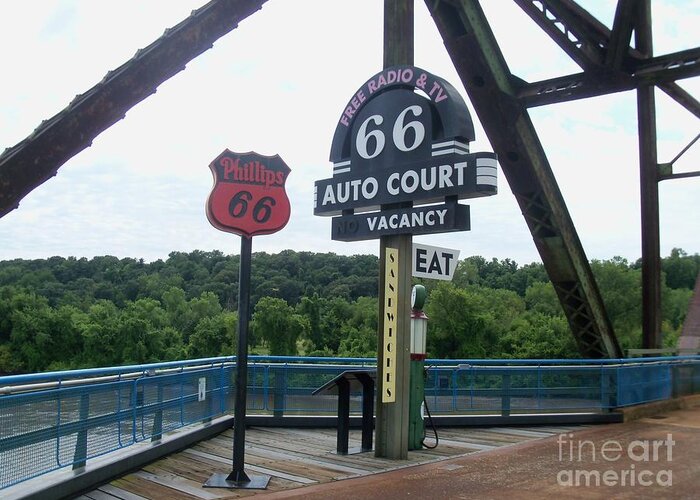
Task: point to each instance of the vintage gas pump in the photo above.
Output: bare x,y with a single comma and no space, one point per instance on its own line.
419,328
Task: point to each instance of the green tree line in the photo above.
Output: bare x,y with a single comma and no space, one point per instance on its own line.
62,313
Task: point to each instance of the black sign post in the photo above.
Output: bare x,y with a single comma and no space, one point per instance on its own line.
248,198
403,138
238,474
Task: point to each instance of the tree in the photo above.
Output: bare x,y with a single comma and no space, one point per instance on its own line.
535,335
278,325
358,342
359,334
66,340
620,286
541,297
335,312
454,328
310,307
469,323
681,269
102,345
6,307
214,336
30,335
75,312
675,306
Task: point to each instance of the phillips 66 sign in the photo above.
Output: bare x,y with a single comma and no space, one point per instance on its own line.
403,136
248,197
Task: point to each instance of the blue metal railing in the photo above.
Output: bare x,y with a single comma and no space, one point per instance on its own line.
62,419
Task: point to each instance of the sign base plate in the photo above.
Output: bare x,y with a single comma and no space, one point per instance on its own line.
351,451
220,480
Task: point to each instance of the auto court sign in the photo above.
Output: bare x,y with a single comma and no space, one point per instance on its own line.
401,163
403,137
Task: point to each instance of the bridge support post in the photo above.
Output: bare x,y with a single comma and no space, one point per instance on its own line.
649,192
80,456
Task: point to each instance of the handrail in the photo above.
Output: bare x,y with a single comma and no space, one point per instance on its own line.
104,409
113,370
125,370
675,351
14,389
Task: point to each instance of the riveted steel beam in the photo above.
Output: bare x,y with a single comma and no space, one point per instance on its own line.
608,69
561,20
682,97
649,191
623,25
37,158
662,71
485,75
621,67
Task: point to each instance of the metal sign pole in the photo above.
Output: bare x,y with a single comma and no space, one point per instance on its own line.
238,477
238,474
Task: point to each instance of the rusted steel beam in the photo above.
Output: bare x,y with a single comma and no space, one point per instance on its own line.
614,68
649,191
572,87
623,25
485,75
682,97
641,71
37,158
674,66
561,20
662,71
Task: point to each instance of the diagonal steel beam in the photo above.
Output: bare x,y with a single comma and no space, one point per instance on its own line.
623,25
681,96
37,158
485,75
561,20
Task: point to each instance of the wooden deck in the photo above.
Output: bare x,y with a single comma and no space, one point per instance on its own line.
294,458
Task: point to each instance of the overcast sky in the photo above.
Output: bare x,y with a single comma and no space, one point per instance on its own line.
277,85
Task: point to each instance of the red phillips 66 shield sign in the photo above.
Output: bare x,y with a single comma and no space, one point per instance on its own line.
248,197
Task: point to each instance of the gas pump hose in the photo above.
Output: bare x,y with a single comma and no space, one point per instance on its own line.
430,419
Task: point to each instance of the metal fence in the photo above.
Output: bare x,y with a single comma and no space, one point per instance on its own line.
62,419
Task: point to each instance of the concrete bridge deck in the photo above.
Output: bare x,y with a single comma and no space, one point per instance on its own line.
656,457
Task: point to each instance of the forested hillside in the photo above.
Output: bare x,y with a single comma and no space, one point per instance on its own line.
61,313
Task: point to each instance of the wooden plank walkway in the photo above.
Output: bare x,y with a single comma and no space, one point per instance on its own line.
295,458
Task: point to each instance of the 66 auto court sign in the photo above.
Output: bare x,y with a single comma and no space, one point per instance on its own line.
403,136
